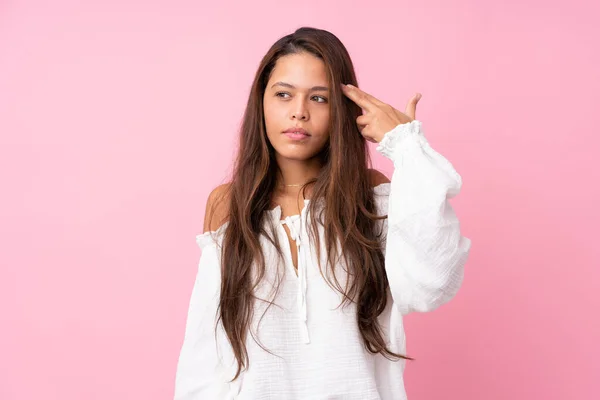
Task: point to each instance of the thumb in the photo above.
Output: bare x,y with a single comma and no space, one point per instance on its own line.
411,107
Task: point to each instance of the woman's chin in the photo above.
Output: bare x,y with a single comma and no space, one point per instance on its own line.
295,153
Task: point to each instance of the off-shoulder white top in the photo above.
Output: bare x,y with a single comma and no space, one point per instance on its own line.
318,352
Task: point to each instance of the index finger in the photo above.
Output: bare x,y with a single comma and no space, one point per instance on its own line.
359,97
369,97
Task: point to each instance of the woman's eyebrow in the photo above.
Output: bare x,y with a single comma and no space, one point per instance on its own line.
313,89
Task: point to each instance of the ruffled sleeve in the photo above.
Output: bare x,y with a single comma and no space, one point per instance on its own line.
201,368
425,252
209,238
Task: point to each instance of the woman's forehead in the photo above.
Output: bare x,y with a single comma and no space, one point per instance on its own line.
300,71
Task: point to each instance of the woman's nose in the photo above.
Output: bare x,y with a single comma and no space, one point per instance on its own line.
300,112
300,115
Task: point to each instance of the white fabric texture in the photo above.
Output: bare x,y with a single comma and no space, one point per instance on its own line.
318,352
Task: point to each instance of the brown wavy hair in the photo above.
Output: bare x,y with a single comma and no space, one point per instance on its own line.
343,186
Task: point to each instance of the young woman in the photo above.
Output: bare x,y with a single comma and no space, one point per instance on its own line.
309,257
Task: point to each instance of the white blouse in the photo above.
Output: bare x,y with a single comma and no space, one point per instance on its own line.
317,350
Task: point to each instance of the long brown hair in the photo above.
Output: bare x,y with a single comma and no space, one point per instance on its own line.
343,186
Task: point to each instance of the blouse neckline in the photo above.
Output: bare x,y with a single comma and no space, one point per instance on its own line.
275,213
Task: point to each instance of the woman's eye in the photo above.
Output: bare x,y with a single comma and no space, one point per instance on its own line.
320,99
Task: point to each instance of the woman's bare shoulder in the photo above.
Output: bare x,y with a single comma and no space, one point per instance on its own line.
377,177
217,207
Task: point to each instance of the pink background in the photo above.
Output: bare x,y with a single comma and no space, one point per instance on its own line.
117,119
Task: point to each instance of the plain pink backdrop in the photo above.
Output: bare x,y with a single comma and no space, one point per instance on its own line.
117,118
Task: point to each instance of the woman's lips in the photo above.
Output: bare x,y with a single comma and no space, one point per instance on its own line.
295,135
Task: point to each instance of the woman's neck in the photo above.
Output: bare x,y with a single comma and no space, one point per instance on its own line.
296,172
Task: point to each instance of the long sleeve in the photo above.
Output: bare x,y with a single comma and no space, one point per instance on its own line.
200,370
425,252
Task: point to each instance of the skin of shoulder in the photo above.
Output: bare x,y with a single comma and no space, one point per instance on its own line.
217,207
217,204
377,177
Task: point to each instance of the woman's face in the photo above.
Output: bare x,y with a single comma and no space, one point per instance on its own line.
297,96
